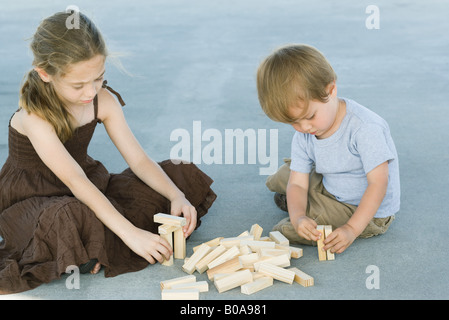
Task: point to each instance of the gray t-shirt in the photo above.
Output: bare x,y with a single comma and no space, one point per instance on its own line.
361,143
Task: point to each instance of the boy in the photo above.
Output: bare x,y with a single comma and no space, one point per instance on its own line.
344,165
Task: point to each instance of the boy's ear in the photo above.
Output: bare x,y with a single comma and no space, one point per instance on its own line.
42,74
332,88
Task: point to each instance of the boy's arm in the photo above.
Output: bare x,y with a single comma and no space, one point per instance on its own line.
374,194
297,189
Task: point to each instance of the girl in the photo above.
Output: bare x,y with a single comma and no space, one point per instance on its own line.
58,206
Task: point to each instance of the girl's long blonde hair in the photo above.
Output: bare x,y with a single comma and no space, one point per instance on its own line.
55,48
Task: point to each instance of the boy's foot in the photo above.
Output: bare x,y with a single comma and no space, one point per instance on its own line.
281,201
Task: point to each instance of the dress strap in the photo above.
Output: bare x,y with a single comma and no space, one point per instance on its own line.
119,97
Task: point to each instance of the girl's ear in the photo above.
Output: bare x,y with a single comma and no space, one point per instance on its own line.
42,74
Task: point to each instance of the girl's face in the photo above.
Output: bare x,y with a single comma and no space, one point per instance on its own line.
81,82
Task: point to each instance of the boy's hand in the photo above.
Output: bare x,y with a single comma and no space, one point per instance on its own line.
340,239
306,228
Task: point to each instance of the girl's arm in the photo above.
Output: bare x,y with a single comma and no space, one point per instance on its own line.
110,112
60,162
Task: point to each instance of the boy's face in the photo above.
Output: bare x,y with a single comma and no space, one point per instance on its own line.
321,119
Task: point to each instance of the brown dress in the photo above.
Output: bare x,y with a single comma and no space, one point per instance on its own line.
45,228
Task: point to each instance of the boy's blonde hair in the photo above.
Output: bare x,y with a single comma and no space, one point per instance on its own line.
55,48
290,75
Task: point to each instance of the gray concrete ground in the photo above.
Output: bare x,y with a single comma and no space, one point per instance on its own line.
196,61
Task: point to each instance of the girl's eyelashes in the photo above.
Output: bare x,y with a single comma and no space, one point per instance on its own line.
80,87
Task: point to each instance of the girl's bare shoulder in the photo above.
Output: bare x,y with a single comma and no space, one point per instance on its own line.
107,104
27,123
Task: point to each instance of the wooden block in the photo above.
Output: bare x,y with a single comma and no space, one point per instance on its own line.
233,280
277,273
280,261
320,244
211,243
257,285
255,245
201,266
203,286
302,278
245,250
228,255
179,249
167,284
295,252
256,231
167,229
221,275
180,294
248,260
274,252
229,266
166,232
189,266
327,231
279,238
244,234
164,218
234,241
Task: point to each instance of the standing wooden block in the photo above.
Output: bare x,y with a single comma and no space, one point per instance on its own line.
164,218
233,280
180,244
257,285
302,278
166,232
327,232
277,273
189,266
256,231
320,244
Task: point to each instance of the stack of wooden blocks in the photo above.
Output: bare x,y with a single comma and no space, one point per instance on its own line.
324,255
247,260
171,230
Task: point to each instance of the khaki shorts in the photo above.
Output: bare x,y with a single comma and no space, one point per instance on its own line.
322,207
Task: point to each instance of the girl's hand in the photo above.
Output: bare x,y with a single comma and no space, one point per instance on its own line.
149,246
306,228
340,239
181,206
